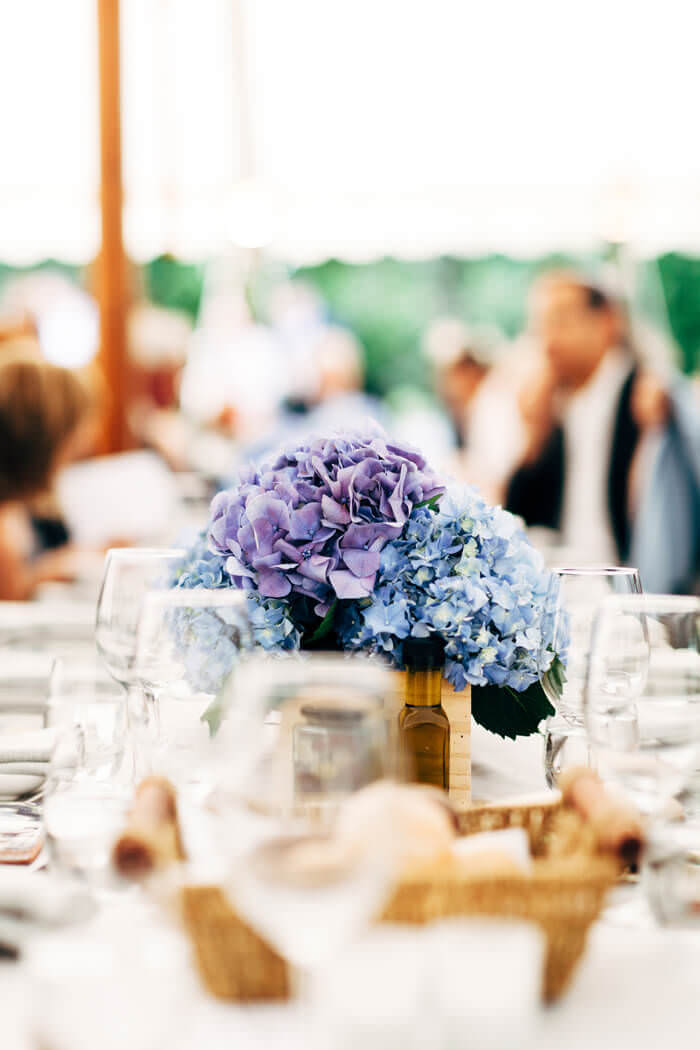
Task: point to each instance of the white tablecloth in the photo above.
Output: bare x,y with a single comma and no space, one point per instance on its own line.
636,988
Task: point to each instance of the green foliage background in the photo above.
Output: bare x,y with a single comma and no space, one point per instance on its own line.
388,303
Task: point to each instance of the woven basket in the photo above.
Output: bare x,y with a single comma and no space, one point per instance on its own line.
562,894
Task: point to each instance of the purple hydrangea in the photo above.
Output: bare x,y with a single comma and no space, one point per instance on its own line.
313,523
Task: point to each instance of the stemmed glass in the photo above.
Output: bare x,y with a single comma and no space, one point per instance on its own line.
86,794
643,695
129,574
573,598
190,641
304,887
642,699
88,705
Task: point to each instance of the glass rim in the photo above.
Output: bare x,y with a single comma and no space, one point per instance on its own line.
653,603
76,695
594,570
195,596
146,552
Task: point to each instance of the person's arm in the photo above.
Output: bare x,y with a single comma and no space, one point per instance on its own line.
19,574
16,578
537,408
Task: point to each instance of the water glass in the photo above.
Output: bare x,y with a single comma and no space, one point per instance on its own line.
190,642
573,598
643,695
88,706
129,574
327,732
82,819
302,888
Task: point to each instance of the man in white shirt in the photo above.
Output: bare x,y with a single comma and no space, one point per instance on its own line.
581,433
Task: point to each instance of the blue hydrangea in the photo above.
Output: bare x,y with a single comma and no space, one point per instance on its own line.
468,573
201,567
208,639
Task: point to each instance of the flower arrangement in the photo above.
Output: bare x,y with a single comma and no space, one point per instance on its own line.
353,543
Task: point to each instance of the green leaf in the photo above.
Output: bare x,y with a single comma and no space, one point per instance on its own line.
433,502
502,710
213,715
326,625
556,677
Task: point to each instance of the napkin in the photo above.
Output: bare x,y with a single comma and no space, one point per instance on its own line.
33,746
24,760
456,982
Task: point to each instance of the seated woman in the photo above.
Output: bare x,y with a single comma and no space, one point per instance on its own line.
43,410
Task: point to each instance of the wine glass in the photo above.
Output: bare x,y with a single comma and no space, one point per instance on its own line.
190,641
129,574
87,790
642,701
85,702
572,600
643,695
307,890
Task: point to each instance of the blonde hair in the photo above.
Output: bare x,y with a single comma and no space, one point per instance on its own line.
41,405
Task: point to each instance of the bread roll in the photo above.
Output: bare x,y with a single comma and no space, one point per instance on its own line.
152,836
416,820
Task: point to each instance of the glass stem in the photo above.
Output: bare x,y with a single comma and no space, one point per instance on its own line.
142,720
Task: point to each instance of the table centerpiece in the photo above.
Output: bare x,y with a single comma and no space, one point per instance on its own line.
351,542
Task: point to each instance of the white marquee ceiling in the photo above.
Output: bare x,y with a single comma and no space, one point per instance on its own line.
317,128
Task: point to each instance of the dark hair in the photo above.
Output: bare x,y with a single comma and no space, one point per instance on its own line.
467,358
40,407
596,298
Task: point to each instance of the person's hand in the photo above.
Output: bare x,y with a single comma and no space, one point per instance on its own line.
537,406
650,404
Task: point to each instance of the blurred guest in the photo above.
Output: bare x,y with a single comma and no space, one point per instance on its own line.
460,365
43,412
62,314
157,342
586,412
478,379
665,541
341,401
236,374
297,314
15,327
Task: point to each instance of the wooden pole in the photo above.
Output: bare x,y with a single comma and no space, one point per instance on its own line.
112,275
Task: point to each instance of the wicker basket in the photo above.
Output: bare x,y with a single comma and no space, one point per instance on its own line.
235,963
563,895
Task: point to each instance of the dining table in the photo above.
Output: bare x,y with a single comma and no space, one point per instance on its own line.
637,985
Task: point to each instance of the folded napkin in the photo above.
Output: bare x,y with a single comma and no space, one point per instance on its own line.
27,746
27,769
25,757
